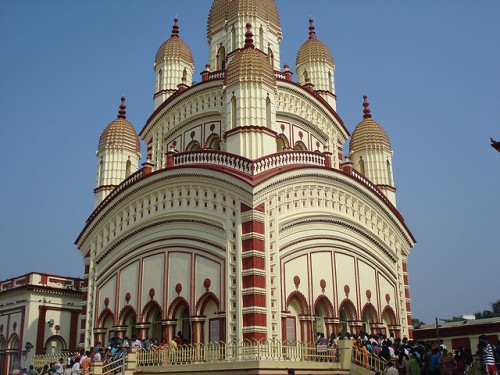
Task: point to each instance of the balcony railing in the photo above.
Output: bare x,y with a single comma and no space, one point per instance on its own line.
236,351
247,166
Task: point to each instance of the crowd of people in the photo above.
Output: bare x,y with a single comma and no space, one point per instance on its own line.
408,357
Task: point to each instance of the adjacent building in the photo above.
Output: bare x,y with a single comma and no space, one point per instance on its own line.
39,314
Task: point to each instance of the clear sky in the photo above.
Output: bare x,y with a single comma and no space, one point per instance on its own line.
431,70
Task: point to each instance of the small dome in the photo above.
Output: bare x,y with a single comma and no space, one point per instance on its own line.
249,65
313,49
368,133
174,48
222,10
120,134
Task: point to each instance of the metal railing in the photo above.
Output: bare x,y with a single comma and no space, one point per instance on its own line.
116,365
368,360
38,361
236,351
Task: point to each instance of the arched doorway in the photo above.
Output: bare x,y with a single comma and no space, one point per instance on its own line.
154,317
12,353
347,315
369,317
2,353
295,329
54,345
129,322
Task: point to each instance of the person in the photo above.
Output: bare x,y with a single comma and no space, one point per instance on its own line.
321,346
488,357
434,361
59,366
75,369
414,365
32,370
446,363
45,370
85,363
391,370
98,355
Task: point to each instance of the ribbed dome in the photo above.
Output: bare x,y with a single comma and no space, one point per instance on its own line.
120,134
229,9
174,48
249,65
313,50
368,133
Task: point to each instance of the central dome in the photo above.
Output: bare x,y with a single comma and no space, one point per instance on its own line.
227,10
313,50
174,48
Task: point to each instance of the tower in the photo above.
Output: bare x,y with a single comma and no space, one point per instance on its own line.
371,153
315,67
118,155
174,66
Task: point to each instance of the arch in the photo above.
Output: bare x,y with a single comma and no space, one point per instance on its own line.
104,315
282,143
2,342
325,303
125,313
13,342
305,77
348,306
362,165
174,306
330,82
148,309
301,299
160,80
193,146
369,316
388,313
204,300
57,345
261,38
128,168
233,39
268,112
13,353
213,142
270,56
389,172
233,112
221,58
300,146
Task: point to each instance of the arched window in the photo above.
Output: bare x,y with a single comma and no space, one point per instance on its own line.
389,173
213,142
13,353
270,56
184,324
300,146
107,324
362,166
268,112
193,146
155,324
128,167
305,76
100,173
233,39
330,82
261,38
233,112
129,322
282,143
160,81
221,58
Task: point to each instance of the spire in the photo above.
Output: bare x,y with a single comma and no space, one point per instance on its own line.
366,110
249,37
175,28
122,111
312,33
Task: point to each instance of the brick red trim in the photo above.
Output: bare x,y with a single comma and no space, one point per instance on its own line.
256,281
40,337
251,300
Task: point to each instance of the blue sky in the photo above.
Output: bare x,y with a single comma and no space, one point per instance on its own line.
431,70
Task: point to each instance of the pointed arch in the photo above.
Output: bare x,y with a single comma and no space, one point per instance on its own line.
213,142
160,81
326,304
261,38
148,308
221,58
300,146
193,146
104,315
389,173
177,303
268,112
126,311
2,342
233,39
282,143
389,314
369,316
347,306
204,299
233,112
270,56
301,299
362,166
13,342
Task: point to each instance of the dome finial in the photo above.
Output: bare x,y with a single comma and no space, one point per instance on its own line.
122,111
175,28
312,33
249,37
366,110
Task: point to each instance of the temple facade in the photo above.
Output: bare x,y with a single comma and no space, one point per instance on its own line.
251,217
